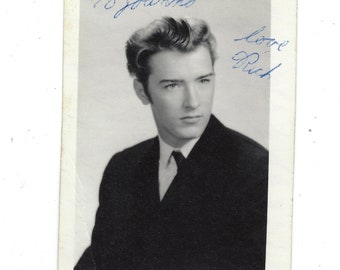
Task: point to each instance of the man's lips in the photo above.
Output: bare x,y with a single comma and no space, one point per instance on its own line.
191,117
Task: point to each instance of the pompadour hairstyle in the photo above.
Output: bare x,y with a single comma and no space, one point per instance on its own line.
183,35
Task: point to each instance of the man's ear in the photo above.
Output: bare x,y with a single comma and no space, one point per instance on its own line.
140,92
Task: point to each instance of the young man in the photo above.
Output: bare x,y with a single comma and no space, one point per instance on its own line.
194,197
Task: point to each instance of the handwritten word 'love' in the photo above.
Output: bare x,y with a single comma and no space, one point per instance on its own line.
258,40
134,4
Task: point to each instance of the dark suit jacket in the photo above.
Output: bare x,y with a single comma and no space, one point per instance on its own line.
213,215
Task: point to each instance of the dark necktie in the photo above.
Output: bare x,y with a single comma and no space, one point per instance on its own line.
179,158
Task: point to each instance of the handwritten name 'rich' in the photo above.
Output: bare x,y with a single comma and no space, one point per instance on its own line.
134,4
247,63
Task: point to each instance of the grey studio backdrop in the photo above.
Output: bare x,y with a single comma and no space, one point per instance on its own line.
109,115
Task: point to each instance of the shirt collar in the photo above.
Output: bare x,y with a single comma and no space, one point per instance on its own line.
165,150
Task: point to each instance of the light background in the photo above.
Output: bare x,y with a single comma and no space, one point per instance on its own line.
110,116
30,136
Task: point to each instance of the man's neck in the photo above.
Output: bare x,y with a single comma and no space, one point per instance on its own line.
185,148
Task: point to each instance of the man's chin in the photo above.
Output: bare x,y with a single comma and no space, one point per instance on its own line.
192,133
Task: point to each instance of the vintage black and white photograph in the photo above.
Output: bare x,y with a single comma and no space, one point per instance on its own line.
178,123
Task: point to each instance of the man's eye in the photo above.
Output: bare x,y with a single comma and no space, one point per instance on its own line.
205,80
171,86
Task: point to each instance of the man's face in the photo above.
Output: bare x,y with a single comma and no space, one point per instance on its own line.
181,87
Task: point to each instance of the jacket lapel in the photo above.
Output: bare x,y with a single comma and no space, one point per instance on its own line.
147,178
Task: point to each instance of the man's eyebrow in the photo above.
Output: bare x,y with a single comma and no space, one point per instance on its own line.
170,81
205,76
180,81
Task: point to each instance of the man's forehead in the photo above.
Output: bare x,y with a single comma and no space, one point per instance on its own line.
176,63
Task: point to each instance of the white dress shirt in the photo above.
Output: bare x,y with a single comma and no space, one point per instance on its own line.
167,164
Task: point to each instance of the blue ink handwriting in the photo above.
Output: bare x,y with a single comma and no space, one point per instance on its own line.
246,62
258,40
134,4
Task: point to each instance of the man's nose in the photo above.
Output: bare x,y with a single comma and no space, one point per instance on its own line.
191,99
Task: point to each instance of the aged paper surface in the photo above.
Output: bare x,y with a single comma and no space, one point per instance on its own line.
255,95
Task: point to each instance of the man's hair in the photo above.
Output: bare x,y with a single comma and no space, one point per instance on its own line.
183,35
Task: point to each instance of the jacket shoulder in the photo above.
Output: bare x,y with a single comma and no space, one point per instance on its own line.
229,140
245,144
133,154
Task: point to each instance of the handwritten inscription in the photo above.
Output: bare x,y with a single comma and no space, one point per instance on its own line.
120,8
250,63
247,63
258,40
